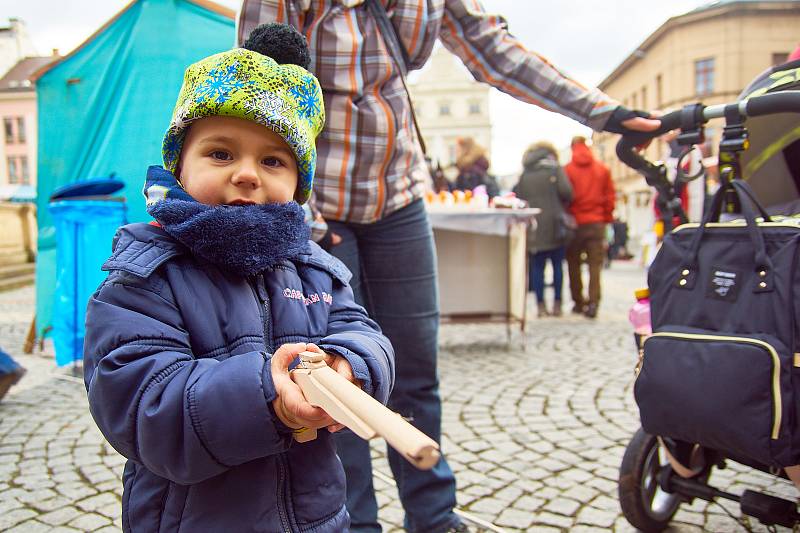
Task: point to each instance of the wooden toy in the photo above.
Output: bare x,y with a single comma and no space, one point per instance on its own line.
347,404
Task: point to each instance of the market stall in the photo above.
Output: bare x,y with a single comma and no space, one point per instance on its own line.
482,262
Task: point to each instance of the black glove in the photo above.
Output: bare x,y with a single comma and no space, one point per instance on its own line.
621,114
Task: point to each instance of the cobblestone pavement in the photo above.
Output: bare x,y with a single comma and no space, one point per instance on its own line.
534,428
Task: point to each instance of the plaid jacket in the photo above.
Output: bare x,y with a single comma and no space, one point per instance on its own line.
369,163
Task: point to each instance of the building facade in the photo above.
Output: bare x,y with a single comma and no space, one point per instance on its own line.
707,55
450,104
15,44
19,122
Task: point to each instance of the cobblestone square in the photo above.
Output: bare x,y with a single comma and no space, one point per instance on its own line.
535,429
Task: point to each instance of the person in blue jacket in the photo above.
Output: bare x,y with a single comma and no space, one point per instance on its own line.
190,338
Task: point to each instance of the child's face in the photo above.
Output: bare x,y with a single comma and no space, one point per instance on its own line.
232,161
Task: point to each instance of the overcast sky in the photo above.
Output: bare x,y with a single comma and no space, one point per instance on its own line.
586,39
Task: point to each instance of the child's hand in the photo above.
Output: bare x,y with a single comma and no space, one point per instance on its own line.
342,367
291,405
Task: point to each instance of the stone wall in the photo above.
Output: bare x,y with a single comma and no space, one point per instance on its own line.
18,228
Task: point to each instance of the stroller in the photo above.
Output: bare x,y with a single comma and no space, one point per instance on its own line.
659,473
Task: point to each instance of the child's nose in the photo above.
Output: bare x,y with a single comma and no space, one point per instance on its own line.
246,175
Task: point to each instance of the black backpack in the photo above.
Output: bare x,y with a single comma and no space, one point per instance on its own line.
722,367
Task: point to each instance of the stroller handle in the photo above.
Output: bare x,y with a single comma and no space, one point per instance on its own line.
693,116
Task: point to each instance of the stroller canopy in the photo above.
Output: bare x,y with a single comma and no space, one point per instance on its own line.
772,163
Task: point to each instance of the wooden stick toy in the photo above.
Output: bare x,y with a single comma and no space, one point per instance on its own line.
364,415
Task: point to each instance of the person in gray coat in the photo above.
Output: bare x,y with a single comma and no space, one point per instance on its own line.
543,184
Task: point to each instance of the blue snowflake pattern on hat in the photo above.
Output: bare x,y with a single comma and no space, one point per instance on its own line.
307,98
219,84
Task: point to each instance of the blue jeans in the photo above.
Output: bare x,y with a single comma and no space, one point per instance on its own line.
393,262
536,273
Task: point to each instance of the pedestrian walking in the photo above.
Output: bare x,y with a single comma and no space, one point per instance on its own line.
544,185
593,207
371,179
189,340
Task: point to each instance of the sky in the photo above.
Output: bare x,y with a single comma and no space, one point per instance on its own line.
586,39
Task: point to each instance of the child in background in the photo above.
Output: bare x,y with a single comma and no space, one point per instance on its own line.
189,340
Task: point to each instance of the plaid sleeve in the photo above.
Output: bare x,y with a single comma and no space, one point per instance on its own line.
495,57
255,12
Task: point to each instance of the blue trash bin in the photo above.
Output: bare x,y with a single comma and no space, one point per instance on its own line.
86,218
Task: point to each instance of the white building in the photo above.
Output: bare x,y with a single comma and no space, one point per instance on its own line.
450,104
15,44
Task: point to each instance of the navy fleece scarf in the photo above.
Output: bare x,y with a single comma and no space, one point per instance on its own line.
244,239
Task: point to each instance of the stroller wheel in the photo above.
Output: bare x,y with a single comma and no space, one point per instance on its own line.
644,503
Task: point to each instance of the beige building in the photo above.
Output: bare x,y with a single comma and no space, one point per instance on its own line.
449,104
707,55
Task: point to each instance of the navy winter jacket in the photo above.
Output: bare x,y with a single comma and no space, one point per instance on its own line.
177,359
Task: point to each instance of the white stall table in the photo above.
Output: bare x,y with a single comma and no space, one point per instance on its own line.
482,263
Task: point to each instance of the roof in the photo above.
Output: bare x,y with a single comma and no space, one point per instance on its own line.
205,4
719,3
18,78
714,9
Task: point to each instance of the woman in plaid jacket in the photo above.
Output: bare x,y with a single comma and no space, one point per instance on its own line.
369,184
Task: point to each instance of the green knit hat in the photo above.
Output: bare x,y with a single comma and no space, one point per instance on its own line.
286,99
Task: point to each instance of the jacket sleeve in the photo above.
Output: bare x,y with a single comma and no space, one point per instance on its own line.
611,196
357,338
564,187
495,57
184,419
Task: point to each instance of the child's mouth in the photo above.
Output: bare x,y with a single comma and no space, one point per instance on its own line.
241,201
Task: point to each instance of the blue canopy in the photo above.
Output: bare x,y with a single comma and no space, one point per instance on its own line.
104,108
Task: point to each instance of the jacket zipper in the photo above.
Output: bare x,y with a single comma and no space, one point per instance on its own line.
266,323
776,366
267,315
281,489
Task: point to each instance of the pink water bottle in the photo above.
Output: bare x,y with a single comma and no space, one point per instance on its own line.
639,316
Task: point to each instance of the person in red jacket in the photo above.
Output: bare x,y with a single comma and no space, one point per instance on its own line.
593,207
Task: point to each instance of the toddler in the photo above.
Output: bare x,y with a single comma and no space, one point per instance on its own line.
190,338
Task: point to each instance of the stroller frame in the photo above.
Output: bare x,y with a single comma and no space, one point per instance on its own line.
650,490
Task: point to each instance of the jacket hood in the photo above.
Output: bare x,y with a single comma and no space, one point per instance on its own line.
582,155
535,157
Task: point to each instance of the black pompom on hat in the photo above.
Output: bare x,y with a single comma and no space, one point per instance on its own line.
281,42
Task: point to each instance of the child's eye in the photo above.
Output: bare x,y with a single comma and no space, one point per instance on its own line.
273,162
221,155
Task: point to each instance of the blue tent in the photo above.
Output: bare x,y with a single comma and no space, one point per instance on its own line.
103,109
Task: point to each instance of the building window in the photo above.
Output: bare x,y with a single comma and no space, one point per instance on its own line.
8,126
24,170
13,175
704,76
474,108
444,109
21,129
644,98
779,58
